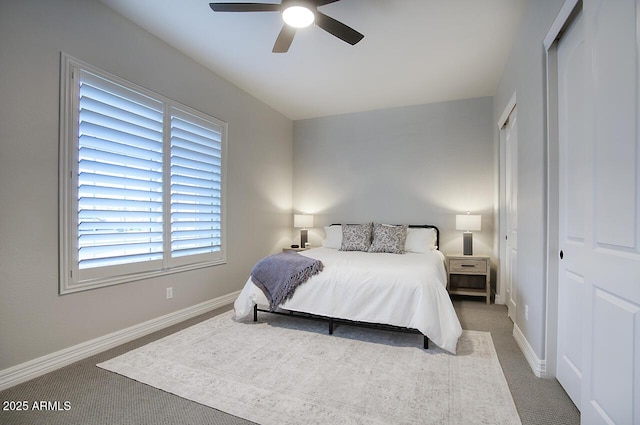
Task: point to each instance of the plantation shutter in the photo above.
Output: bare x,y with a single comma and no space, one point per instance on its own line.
141,182
196,186
120,164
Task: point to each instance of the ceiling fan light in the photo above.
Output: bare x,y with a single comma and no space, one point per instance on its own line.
298,16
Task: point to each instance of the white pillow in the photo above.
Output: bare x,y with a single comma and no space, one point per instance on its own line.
334,237
420,240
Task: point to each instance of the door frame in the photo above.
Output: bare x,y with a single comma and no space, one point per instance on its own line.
501,294
562,21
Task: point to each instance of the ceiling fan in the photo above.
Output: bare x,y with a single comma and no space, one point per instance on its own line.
296,14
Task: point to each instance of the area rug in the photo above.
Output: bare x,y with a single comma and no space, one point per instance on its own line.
286,370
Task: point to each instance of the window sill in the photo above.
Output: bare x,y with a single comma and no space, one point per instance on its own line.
67,287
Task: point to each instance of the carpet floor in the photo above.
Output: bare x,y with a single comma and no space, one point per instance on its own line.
96,396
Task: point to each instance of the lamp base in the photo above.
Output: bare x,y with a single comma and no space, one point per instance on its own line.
467,243
303,238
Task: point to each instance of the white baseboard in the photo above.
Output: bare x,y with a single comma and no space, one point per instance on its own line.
538,366
45,364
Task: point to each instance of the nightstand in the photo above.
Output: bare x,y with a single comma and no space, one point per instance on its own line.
469,275
294,249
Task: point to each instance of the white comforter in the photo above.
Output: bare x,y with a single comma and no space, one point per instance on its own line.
406,290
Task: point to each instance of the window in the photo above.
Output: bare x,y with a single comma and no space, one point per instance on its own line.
142,182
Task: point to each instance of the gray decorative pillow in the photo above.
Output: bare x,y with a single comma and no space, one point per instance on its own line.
356,237
388,238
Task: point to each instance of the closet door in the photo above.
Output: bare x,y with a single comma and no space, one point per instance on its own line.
510,130
611,363
575,153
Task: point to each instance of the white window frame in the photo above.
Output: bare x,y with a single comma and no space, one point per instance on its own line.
69,276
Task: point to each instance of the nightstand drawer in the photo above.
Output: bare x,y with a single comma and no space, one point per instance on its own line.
467,266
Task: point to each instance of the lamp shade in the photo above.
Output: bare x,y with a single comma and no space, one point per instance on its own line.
302,220
468,222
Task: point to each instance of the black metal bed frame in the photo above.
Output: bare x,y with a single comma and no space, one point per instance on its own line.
334,320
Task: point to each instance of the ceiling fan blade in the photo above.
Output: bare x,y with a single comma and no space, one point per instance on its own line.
323,2
337,28
284,40
244,7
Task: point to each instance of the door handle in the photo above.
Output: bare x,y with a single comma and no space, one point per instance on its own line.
561,254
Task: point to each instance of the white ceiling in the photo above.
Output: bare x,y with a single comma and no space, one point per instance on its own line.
413,52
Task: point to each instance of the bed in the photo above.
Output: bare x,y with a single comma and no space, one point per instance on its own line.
406,291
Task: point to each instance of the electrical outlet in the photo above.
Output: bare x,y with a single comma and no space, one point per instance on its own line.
526,312
169,293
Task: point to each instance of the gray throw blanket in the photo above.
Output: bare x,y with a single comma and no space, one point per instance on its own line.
279,275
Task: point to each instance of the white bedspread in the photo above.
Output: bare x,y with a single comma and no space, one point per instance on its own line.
406,290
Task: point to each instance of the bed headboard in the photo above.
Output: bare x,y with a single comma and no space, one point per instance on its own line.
424,226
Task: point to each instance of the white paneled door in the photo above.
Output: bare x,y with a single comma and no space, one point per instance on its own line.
574,192
611,391
599,204
510,130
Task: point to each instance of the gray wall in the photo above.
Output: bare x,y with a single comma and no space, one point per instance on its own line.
34,319
415,164
524,74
